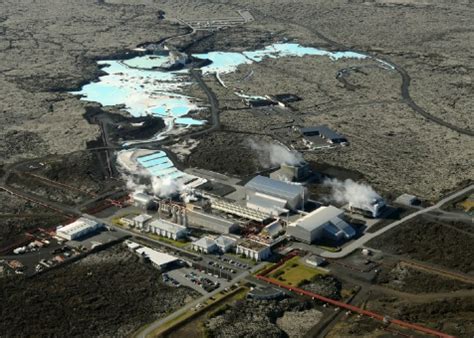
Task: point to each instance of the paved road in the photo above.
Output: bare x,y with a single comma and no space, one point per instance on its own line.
405,86
156,324
368,236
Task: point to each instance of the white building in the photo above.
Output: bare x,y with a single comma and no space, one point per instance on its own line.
141,220
315,261
205,245
225,243
273,196
159,259
254,250
273,229
167,229
78,228
142,200
322,222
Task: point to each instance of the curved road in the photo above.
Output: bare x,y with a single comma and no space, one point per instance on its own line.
368,236
405,91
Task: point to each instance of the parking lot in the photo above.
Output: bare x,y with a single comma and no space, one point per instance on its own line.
199,280
34,258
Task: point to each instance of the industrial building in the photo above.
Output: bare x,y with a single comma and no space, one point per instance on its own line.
79,228
225,243
273,230
292,173
160,260
141,220
211,222
407,199
173,211
205,245
167,229
143,201
138,221
253,249
324,132
316,261
273,196
239,210
272,206
324,222
373,209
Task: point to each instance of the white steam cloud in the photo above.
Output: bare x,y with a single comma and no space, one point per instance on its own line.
271,154
142,182
359,195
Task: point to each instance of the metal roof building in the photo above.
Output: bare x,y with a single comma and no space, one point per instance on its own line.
267,204
324,132
225,243
210,222
159,259
205,244
293,194
78,228
167,229
239,210
254,250
323,222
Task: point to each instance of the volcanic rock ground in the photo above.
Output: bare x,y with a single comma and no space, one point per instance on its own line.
107,294
49,47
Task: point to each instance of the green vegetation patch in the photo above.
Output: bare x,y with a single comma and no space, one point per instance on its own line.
294,273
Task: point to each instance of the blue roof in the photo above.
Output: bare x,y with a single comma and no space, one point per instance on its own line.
273,187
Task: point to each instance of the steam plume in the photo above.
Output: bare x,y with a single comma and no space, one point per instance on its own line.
359,195
271,154
142,182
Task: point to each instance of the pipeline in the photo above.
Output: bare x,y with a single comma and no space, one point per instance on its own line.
61,184
352,308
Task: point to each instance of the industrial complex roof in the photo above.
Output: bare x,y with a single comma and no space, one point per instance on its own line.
142,218
273,229
156,257
268,202
77,226
236,209
252,245
327,217
205,242
272,187
167,226
324,131
224,241
317,218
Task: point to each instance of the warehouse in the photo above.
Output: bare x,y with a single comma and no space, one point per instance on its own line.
324,132
263,192
205,245
143,201
225,243
79,228
239,210
292,172
167,229
266,204
211,222
159,260
253,249
324,222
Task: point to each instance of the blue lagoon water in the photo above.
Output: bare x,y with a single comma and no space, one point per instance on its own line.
144,89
